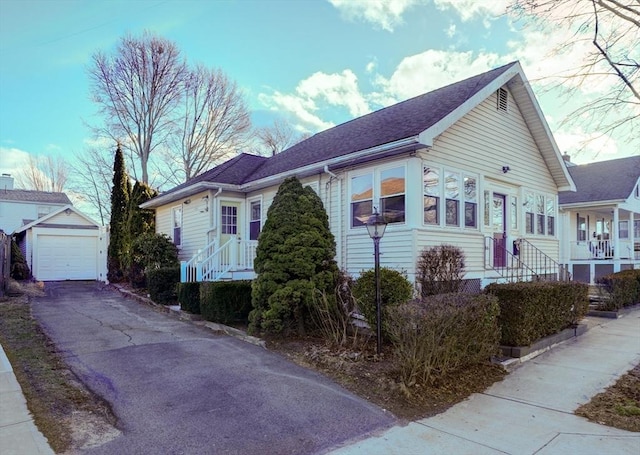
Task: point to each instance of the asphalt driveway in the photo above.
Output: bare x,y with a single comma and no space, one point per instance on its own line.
178,388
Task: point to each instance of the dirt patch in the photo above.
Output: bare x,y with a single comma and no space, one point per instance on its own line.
375,378
619,405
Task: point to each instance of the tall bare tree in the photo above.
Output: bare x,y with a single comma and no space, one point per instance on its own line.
43,173
91,181
213,123
138,90
275,138
611,30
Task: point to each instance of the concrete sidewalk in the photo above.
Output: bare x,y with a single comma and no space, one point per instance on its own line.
18,434
531,410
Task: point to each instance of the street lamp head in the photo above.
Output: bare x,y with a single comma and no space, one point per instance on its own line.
376,225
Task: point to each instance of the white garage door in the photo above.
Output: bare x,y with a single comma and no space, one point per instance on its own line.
66,257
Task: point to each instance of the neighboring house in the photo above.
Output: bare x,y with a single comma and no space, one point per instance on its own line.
471,164
20,207
601,220
58,241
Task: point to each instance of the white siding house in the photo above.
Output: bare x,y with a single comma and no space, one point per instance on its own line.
472,164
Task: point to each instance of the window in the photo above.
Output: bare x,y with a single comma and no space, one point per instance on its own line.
229,222
431,184
551,219
176,215
540,211
361,199
392,184
636,229
470,202
487,209
514,212
44,210
255,219
623,229
528,209
582,229
452,194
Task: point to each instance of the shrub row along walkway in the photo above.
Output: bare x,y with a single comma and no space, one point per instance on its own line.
531,411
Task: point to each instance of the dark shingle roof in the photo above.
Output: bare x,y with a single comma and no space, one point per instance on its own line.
44,197
400,121
603,181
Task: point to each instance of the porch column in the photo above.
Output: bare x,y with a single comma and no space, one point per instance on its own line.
632,232
616,237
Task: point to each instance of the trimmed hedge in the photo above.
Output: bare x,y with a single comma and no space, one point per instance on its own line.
189,297
162,284
530,311
225,301
443,333
620,289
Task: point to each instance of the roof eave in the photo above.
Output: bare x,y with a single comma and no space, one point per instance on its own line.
591,204
187,191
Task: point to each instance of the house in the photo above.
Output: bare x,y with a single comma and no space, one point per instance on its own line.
19,207
58,241
472,164
601,220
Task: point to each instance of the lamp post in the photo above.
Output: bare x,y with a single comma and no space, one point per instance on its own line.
376,226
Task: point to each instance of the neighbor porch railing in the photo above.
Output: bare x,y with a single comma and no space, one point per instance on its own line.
592,249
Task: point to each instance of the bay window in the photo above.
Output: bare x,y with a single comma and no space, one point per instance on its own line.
452,194
431,185
470,202
386,186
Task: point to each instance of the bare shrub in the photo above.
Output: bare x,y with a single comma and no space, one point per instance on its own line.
442,334
440,270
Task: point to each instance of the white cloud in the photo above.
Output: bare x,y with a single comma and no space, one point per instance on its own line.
585,147
432,69
386,14
469,9
451,30
13,160
300,108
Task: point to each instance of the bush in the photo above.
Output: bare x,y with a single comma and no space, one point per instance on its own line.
395,289
295,256
19,267
225,301
442,334
162,284
620,289
530,311
150,251
189,297
440,270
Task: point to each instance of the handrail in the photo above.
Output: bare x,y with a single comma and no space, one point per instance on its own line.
514,269
191,270
544,265
235,254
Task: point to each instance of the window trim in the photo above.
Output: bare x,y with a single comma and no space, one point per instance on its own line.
376,199
443,201
250,203
175,209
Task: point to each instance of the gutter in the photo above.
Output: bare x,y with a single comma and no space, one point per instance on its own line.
185,192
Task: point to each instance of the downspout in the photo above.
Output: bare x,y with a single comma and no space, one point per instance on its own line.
340,227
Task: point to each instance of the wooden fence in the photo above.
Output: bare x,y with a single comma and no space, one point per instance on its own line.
5,262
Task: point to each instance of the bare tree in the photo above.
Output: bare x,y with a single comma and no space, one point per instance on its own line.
43,173
610,30
273,139
213,123
138,90
91,181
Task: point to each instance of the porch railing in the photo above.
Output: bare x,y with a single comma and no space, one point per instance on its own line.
233,255
505,263
545,267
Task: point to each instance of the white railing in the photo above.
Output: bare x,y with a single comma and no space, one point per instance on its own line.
212,264
592,249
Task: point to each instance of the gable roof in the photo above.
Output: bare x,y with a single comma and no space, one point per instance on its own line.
595,181
406,126
53,214
44,197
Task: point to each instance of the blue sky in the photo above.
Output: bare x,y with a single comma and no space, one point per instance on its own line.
315,63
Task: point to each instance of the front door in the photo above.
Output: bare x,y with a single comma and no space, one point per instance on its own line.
230,223
499,224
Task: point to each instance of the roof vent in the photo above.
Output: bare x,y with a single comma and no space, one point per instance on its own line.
503,97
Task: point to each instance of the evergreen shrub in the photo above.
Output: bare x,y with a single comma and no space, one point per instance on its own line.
395,289
189,297
530,311
162,284
441,334
619,290
19,269
294,259
225,301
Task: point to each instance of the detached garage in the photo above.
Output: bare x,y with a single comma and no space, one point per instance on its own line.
65,245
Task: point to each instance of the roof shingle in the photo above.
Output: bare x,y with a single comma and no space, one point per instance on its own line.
44,197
